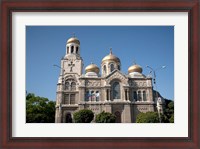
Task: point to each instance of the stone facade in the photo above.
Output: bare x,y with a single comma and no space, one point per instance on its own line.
123,95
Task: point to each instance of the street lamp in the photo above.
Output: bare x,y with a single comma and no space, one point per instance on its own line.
154,82
59,67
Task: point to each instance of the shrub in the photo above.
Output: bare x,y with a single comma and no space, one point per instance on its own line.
83,116
105,117
148,117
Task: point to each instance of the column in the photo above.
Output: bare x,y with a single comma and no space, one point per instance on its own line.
142,95
127,114
58,114
125,95
109,93
69,99
82,94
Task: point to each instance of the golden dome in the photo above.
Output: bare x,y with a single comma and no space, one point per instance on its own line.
73,40
135,68
92,68
110,57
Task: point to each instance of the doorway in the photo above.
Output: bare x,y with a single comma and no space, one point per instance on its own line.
68,118
118,117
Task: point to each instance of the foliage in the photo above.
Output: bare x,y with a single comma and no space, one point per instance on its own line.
171,120
164,118
39,109
167,101
169,111
105,117
148,117
83,116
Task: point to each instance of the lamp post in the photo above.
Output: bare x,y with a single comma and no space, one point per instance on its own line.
154,82
59,67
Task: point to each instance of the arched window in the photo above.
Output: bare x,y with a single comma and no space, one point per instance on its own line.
67,86
135,95
111,67
73,86
72,49
144,96
104,69
67,50
76,50
116,90
139,96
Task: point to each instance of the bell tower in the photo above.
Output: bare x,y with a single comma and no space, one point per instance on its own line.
72,62
67,86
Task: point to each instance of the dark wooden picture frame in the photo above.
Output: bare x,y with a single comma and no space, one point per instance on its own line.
9,6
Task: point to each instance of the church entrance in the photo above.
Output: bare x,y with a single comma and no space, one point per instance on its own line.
118,117
68,118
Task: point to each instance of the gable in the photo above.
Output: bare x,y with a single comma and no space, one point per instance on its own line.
116,74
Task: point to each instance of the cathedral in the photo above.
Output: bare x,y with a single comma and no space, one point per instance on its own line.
111,91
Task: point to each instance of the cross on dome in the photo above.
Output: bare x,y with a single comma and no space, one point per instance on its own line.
110,50
134,62
74,35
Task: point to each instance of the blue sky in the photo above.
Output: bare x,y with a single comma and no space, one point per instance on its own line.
147,45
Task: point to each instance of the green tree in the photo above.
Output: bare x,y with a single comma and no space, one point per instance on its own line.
105,117
39,109
169,111
151,117
83,116
171,120
148,117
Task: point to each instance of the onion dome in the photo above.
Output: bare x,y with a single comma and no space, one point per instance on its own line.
111,57
135,68
73,40
92,68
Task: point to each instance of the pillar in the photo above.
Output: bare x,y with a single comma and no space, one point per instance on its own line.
128,98
58,114
81,96
127,114
124,95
